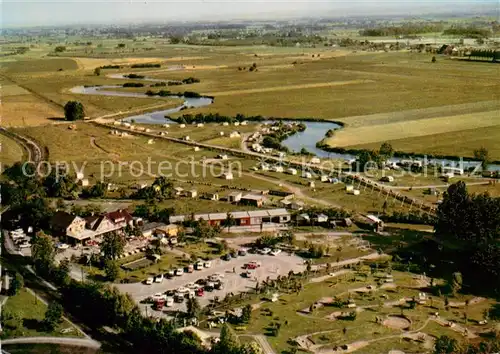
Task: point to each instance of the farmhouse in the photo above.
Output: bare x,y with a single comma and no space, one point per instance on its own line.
193,193
453,170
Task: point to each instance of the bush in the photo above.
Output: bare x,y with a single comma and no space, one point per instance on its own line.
146,65
133,84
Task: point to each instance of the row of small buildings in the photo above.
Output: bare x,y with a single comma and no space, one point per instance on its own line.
241,218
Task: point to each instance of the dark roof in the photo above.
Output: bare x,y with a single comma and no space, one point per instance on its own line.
119,214
62,219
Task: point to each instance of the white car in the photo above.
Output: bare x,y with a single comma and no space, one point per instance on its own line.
179,272
159,296
149,281
207,264
275,252
199,266
192,286
159,278
265,250
169,302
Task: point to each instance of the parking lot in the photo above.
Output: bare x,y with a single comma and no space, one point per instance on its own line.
233,282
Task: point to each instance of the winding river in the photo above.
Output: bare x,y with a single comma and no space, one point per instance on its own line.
315,131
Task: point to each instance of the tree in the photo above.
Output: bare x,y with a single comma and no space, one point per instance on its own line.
386,151
42,253
456,282
446,345
482,154
97,71
230,221
121,45
61,273
112,245
53,316
73,110
111,269
251,348
433,59
193,307
203,230
246,313
16,284
229,343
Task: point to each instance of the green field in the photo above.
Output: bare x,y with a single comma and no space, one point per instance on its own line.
29,313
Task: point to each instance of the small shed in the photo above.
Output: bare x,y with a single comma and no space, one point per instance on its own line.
234,197
227,175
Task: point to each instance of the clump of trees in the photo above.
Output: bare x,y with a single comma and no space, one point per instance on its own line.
190,80
60,49
471,223
163,93
73,110
467,31
133,84
160,190
403,30
145,65
110,67
134,76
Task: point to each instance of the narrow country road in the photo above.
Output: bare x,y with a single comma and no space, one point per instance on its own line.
262,341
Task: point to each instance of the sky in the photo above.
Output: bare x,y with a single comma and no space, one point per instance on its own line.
60,12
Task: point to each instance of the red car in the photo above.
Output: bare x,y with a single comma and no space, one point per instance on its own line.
159,305
252,265
200,292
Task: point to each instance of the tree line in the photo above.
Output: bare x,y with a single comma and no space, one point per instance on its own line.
165,93
469,31
405,29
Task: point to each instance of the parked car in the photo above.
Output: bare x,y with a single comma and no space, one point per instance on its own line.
179,272
171,272
207,264
275,252
159,278
209,286
248,274
226,257
169,302
200,292
252,265
218,285
149,281
158,306
242,252
170,293
201,281
192,286
178,298
199,265
265,250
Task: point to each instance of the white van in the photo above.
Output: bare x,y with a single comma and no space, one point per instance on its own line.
179,272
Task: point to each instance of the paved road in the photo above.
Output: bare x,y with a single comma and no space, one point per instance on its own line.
272,266
266,348
77,342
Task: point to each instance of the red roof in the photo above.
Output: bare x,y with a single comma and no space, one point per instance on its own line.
119,216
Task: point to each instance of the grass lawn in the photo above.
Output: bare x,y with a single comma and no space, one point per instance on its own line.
10,151
31,313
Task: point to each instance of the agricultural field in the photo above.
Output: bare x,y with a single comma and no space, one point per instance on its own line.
10,151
